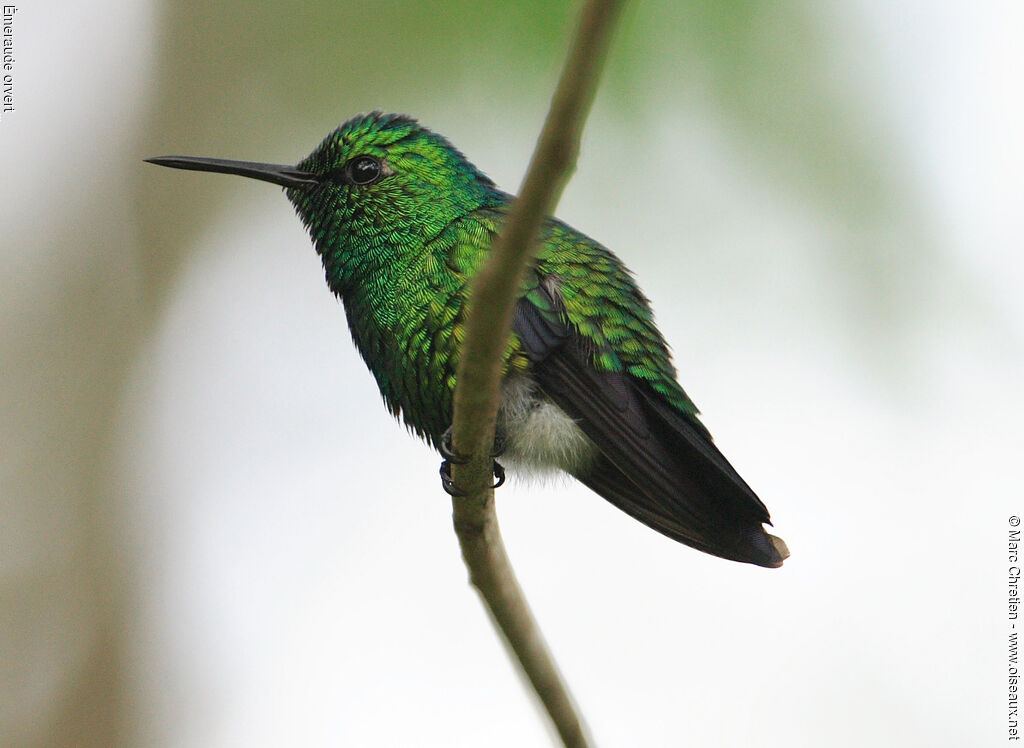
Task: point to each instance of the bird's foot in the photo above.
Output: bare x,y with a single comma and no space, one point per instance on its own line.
446,480
451,457
499,446
448,451
449,485
458,458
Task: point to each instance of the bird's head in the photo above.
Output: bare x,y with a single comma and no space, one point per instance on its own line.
378,177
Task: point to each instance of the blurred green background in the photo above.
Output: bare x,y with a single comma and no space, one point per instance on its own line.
212,534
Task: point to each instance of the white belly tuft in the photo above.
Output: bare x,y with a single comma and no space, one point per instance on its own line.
540,436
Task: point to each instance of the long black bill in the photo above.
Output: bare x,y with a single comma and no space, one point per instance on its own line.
286,176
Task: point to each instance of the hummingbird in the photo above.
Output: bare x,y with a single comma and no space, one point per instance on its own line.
402,221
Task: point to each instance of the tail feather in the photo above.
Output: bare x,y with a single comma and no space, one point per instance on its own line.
746,542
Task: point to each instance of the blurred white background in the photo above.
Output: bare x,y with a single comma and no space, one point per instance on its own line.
211,533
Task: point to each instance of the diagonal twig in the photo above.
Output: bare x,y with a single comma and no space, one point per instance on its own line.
480,365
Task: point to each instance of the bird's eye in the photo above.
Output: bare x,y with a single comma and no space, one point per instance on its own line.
363,170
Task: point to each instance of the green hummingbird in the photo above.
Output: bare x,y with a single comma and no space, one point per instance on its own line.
402,221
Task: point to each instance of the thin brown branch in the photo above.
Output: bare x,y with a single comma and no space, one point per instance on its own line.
481,360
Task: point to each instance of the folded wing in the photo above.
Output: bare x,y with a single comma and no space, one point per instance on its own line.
656,464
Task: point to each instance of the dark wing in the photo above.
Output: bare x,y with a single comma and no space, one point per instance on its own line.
656,464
